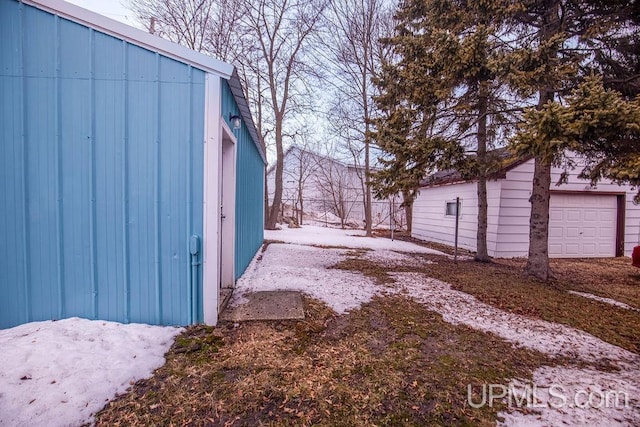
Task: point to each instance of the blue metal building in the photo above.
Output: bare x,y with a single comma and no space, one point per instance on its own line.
126,193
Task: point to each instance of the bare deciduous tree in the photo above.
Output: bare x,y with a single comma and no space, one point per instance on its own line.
305,167
208,26
279,31
335,184
352,41
266,41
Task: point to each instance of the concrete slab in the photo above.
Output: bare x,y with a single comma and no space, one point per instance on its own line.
268,305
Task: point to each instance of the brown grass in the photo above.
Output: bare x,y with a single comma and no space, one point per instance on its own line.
374,366
610,277
502,284
404,236
391,362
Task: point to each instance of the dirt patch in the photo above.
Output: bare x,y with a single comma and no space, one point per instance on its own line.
355,263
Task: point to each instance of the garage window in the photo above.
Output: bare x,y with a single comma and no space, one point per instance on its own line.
451,209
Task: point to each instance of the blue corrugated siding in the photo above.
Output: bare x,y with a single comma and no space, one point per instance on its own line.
249,189
101,175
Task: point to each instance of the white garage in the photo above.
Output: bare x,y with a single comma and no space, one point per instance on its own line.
584,222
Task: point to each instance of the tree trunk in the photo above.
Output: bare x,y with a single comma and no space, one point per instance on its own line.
301,212
367,142
300,174
408,213
367,195
277,196
481,236
342,210
538,261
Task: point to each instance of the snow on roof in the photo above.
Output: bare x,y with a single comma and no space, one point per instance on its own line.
133,35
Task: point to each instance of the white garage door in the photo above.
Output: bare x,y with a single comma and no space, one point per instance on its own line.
582,226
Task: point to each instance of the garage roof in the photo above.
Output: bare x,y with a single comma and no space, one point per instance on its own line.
245,112
505,159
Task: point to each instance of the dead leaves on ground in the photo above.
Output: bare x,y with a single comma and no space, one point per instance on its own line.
391,362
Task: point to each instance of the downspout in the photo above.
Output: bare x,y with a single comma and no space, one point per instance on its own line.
194,250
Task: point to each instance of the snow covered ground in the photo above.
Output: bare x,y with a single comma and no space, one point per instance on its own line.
294,266
297,266
325,236
553,384
304,268
604,300
61,373
550,338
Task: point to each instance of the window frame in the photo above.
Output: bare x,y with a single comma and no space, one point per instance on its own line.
448,203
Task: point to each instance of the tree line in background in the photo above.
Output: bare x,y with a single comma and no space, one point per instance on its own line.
426,85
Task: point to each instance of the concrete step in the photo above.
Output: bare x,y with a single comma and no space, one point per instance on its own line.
267,305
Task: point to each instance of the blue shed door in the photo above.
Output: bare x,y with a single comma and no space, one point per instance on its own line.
101,145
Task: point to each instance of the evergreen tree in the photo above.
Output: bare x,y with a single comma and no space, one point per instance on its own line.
597,123
451,57
554,42
617,54
406,129
441,96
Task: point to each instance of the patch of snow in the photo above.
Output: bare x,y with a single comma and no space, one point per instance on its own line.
325,224
570,396
326,216
549,338
304,268
605,300
61,373
324,236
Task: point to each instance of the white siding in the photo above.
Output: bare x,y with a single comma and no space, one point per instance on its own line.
513,235
509,211
515,211
494,194
632,224
317,172
430,222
